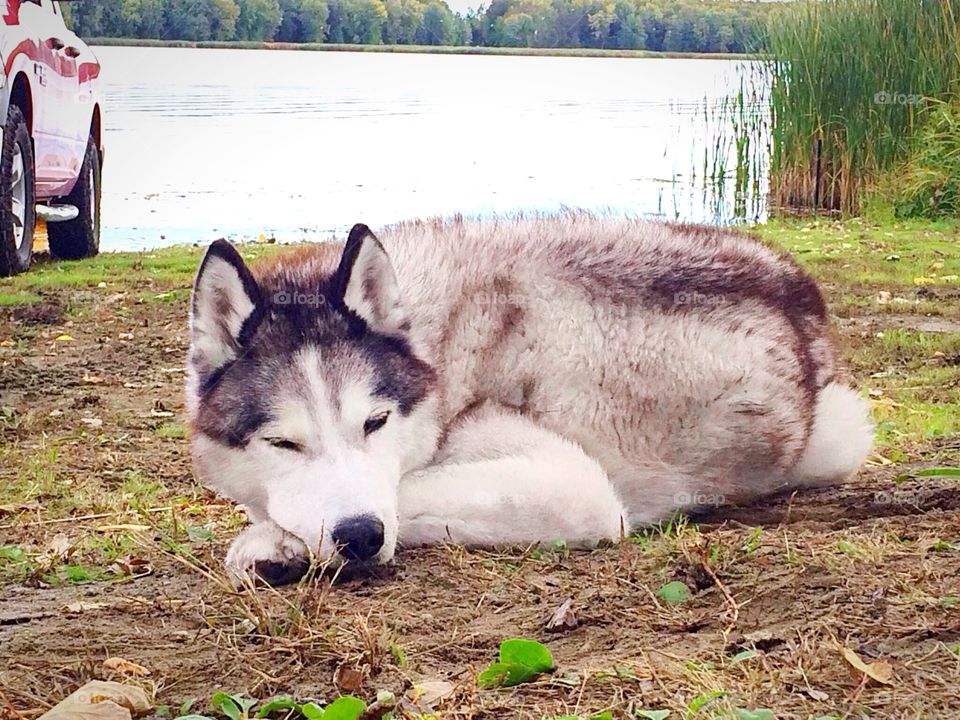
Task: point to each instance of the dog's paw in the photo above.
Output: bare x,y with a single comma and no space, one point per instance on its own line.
266,553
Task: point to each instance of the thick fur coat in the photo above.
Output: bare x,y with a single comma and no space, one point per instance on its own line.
514,380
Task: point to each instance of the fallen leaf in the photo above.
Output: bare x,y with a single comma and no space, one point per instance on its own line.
80,607
129,565
101,700
878,459
125,666
349,679
431,692
563,618
64,338
93,422
92,380
60,547
521,660
879,670
674,593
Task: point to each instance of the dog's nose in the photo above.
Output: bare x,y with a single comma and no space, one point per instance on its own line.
359,538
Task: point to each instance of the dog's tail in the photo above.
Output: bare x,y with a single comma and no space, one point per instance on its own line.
840,440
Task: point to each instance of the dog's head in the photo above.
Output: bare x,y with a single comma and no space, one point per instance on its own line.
307,402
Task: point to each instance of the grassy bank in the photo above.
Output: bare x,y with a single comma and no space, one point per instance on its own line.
423,49
110,549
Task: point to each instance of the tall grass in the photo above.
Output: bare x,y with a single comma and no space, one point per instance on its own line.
851,83
928,185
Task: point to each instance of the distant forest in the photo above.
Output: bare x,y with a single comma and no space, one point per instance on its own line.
666,25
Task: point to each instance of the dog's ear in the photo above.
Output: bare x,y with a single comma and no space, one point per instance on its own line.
366,284
225,298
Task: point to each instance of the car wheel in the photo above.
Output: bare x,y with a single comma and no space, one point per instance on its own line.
16,195
80,237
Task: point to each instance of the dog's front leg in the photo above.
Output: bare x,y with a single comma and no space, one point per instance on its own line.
501,478
266,552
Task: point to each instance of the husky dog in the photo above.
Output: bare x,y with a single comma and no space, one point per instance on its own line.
507,381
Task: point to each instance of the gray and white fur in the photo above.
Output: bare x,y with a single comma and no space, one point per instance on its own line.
507,381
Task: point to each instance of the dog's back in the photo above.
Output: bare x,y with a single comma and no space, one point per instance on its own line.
691,362
518,380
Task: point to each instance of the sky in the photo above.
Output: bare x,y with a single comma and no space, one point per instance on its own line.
461,6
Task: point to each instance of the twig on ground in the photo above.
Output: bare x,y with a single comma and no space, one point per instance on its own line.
10,707
726,594
81,518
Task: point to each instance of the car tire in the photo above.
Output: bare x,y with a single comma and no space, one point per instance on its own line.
80,237
16,195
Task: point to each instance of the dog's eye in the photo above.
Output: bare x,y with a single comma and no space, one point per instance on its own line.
375,422
285,444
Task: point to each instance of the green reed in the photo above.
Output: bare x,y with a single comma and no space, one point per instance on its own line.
736,157
851,83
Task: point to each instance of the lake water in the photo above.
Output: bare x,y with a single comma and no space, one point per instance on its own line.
202,144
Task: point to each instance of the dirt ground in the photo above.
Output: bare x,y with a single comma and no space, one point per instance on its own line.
110,549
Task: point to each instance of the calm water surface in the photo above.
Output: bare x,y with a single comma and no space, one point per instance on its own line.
300,145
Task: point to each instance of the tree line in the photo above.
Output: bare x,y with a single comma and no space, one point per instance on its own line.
668,25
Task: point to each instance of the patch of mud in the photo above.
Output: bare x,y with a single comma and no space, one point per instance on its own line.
41,313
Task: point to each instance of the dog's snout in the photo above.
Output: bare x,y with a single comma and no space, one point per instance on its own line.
359,538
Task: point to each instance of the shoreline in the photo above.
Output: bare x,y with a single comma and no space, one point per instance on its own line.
416,49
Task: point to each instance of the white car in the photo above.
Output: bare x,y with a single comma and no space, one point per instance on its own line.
52,143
